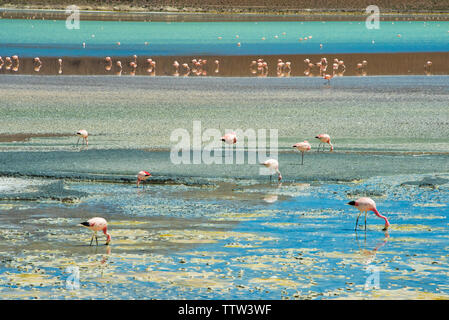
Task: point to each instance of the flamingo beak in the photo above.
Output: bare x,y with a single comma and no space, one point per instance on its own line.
351,203
86,224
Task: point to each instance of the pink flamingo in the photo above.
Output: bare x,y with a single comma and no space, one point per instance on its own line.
60,65
328,77
324,138
273,165
229,138
83,134
97,224
303,147
366,204
142,176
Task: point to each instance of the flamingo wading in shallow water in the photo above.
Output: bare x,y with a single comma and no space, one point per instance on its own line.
303,147
229,138
324,138
142,176
364,205
273,165
83,134
97,224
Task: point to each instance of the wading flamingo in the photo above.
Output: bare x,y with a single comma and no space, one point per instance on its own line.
328,77
303,147
324,138
364,205
82,134
273,165
97,224
229,138
142,176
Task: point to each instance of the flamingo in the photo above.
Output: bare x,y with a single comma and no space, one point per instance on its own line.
303,147
366,204
60,65
229,138
97,224
108,65
324,138
273,165
83,134
142,176
328,77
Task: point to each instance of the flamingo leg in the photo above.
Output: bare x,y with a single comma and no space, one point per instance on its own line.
302,158
91,239
77,142
96,239
357,221
365,219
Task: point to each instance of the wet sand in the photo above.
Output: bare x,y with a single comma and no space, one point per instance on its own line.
18,137
239,66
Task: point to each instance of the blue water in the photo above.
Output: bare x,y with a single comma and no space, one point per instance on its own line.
29,38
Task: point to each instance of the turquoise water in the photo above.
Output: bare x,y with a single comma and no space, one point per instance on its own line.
29,38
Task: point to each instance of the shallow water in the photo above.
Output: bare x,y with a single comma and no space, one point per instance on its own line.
224,231
202,38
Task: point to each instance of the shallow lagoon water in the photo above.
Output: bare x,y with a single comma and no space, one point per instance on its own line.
224,231
217,38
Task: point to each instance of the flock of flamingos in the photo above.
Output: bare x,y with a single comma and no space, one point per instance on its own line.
197,67
364,204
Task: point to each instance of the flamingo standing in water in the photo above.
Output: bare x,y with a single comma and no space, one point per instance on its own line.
366,204
303,147
97,224
273,165
324,138
229,138
142,176
328,77
83,134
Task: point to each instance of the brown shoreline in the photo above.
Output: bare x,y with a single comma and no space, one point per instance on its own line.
238,11
239,66
20,137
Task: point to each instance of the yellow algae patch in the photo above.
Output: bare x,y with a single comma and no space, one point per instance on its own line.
34,279
401,294
193,241
258,266
183,278
205,236
409,239
413,227
428,217
279,282
238,245
243,216
280,224
129,233
431,205
206,261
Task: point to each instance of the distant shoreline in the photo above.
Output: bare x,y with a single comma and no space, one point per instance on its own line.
200,14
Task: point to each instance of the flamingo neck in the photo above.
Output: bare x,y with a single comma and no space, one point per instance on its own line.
381,216
105,231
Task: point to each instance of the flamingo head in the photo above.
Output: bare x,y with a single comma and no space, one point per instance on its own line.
352,203
85,224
